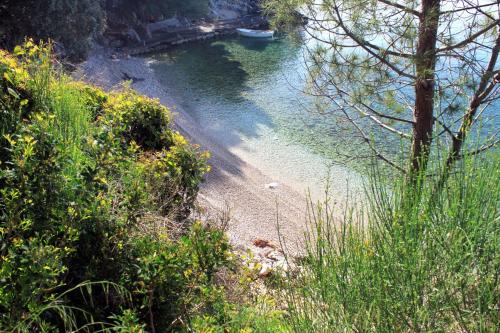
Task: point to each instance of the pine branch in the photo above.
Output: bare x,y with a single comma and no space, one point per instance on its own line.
470,39
403,8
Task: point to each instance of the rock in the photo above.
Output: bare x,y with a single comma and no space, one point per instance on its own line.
116,43
134,79
148,32
164,25
265,270
282,265
134,36
231,9
266,253
272,186
275,255
262,243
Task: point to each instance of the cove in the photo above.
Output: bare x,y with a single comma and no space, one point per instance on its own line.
248,95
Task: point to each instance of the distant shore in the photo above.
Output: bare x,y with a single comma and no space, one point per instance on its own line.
255,207
168,38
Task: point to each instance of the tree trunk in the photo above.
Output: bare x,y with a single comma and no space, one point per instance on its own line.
423,115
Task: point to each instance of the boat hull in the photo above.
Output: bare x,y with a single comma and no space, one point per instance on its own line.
256,33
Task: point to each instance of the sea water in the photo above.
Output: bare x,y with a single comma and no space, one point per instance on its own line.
249,95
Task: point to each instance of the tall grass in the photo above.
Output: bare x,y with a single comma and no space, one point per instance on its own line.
69,314
54,92
407,263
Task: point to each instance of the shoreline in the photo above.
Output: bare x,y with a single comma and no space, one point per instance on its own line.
205,31
233,183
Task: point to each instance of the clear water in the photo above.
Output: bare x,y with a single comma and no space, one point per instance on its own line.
247,93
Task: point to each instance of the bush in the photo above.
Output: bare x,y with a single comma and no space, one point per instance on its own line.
73,23
86,177
140,119
426,260
178,168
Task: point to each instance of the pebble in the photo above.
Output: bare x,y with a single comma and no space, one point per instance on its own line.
265,270
266,253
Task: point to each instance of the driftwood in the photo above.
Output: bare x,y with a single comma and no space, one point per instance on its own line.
134,79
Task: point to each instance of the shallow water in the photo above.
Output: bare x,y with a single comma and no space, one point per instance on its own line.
247,94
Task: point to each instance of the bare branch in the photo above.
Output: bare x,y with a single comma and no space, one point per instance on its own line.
480,149
403,8
476,7
470,39
481,93
445,128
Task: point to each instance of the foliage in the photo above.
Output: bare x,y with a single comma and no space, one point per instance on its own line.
136,118
415,71
260,318
86,179
145,10
72,22
425,261
175,168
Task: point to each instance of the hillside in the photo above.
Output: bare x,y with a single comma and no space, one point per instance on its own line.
96,193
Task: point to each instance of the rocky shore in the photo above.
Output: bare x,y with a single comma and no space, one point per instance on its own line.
165,38
223,18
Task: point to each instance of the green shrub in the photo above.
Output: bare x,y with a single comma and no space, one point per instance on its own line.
413,261
174,177
92,97
85,178
72,23
260,316
140,119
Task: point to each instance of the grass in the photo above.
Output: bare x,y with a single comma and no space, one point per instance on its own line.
86,177
416,263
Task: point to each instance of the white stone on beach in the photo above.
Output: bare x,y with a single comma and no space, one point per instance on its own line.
272,185
265,270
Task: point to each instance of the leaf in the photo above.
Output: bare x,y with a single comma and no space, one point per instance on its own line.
7,77
18,50
13,92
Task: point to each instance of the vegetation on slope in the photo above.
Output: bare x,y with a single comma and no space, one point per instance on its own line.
414,260
89,183
146,10
74,23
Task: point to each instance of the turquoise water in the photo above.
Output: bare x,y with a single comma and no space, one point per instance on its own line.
247,93
250,82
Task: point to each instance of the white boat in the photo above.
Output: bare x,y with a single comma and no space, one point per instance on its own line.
256,33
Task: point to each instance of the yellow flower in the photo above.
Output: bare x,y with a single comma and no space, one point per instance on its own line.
17,242
188,272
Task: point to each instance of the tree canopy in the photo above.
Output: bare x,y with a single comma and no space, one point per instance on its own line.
417,69
73,23
70,22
